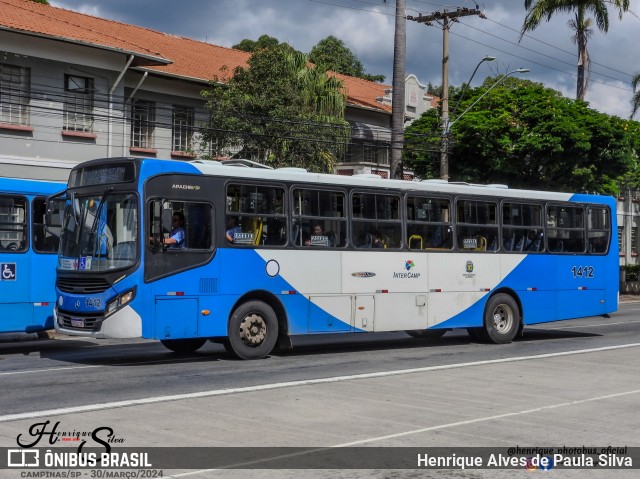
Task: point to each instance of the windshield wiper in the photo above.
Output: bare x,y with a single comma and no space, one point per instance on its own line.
94,226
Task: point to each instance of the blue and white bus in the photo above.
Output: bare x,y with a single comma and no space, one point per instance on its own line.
28,256
270,254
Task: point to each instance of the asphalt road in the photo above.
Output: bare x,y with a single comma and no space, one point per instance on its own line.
573,382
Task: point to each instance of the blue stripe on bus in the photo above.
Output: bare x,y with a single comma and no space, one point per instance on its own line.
557,293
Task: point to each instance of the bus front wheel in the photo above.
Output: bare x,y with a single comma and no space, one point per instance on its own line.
501,319
183,346
253,330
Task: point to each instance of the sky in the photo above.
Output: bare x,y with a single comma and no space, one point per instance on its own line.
367,28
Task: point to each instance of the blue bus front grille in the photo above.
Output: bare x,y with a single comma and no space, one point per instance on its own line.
82,285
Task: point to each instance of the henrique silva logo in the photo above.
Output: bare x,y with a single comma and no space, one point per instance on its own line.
408,265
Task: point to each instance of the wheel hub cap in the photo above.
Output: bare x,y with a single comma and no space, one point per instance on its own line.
253,330
502,319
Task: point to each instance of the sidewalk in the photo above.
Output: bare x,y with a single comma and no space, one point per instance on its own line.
628,298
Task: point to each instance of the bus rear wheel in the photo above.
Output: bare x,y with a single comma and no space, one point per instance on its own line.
426,333
183,346
253,330
501,319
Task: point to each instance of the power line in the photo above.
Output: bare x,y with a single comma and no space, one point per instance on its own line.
557,48
538,63
534,51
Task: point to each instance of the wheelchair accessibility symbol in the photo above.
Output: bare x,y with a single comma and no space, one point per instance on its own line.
8,271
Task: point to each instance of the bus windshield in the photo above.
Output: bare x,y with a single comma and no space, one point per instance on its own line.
99,232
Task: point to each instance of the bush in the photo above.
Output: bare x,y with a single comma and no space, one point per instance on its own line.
631,272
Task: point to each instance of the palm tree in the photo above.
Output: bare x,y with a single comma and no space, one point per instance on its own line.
323,93
635,101
537,10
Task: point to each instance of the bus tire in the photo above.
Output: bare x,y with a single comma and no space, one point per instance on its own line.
477,335
253,330
183,346
501,319
426,333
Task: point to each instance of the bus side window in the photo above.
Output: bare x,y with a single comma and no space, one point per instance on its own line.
319,218
46,237
13,223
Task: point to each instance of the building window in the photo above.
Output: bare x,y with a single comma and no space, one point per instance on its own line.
182,131
78,103
143,117
634,241
358,152
621,240
14,94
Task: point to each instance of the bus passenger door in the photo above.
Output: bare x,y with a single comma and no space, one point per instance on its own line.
364,313
176,318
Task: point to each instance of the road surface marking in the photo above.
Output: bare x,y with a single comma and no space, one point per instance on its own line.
304,382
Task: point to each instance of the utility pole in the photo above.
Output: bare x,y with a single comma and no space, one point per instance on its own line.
398,100
445,19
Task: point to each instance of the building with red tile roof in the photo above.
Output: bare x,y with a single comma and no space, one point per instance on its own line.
128,64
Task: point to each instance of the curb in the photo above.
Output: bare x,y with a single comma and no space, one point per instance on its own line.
19,337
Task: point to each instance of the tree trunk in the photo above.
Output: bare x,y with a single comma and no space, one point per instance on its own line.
582,61
397,97
581,37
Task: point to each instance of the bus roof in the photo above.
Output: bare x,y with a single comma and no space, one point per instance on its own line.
246,169
375,181
32,187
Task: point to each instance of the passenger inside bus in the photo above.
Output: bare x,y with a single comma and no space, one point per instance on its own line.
232,228
377,240
317,237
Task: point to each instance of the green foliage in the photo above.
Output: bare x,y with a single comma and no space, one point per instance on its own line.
44,2
279,112
265,41
529,136
631,272
332,54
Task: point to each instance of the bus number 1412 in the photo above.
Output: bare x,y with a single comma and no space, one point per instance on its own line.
582,271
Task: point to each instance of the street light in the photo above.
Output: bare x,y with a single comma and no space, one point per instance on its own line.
444,156
487,58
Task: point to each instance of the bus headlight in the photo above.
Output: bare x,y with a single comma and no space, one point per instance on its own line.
111,307
126,297
119,301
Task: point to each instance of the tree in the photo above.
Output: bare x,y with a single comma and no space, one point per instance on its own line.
580,24
525,135
264,41
44,2
279,111
332,54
